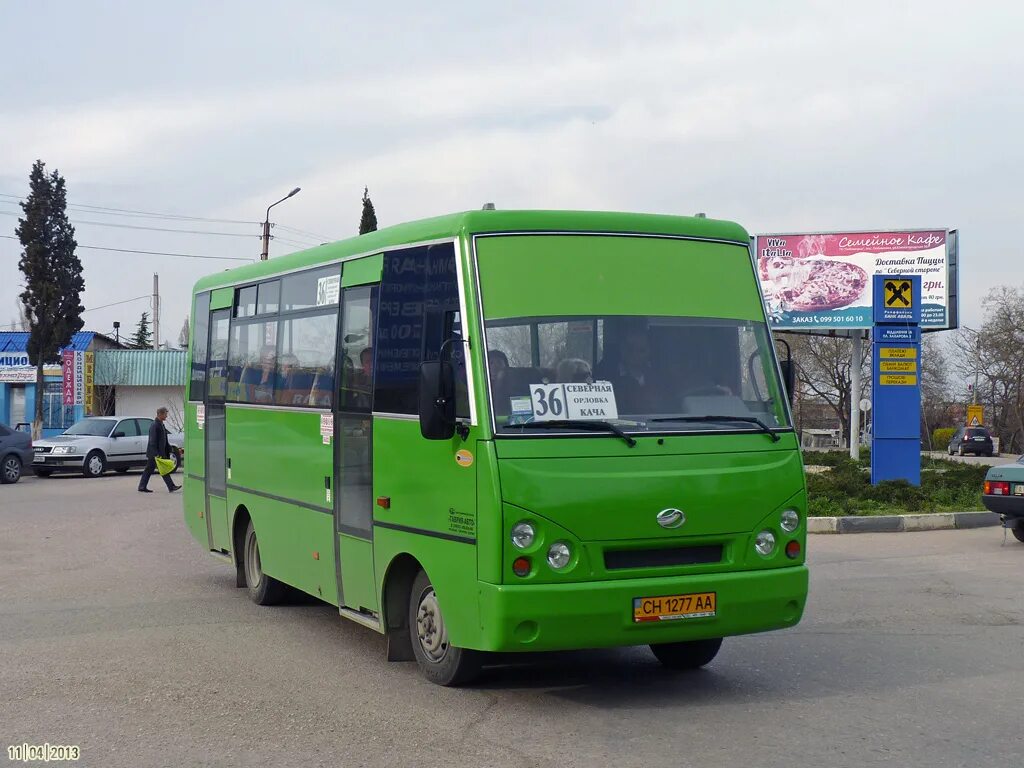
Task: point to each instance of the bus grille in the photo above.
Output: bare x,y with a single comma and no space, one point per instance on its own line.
659,558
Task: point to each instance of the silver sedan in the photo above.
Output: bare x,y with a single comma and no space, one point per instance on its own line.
98,443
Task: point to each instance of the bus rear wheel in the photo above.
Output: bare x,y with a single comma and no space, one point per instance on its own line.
263,589
439,660
690,654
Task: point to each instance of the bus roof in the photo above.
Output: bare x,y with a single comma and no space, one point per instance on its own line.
479,222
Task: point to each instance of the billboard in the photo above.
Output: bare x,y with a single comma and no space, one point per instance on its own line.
822,280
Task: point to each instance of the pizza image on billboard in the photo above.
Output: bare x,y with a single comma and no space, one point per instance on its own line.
810,285
823,280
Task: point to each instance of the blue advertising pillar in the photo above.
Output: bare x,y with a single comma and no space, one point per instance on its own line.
896,383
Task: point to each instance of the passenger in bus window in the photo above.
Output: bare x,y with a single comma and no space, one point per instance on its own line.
501,389
362,382
263,389
323,385
573,370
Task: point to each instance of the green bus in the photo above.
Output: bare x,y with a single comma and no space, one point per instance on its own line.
503,431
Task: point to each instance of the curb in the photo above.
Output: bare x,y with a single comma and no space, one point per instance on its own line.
901,523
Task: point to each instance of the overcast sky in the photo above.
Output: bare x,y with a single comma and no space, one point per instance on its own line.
781,116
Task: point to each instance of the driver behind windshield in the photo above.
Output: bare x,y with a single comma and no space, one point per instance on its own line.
630,374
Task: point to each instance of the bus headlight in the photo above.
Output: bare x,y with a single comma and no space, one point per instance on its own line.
789,520
559,555
522,535
764,544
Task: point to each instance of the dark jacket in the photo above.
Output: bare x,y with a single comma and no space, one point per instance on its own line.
158,443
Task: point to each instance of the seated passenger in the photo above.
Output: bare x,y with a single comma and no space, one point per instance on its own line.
573,370
501,389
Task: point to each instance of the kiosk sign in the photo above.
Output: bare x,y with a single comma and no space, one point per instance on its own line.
896,392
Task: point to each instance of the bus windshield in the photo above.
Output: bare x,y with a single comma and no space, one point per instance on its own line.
639,373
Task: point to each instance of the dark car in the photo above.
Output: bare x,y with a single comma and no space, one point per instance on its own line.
966,440
15,454
1004,494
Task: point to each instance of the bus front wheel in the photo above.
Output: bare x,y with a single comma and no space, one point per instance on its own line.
690,654
263,589
439,660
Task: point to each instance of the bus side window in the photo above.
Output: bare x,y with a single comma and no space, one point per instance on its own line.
419,300
358,329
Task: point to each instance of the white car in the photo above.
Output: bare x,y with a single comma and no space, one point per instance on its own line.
98,443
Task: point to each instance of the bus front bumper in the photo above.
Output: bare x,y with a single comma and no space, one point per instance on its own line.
596,614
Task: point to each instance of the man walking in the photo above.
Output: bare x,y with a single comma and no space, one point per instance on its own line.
158,446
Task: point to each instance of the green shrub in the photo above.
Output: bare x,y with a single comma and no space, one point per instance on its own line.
941,437
845,489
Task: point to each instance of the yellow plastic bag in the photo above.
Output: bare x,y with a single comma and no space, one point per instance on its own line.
164,466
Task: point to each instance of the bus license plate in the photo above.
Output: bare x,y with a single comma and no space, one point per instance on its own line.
672,607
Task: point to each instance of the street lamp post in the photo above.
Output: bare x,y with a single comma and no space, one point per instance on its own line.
266,224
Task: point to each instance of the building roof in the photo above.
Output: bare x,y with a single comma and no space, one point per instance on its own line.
141,367
17,341
478,222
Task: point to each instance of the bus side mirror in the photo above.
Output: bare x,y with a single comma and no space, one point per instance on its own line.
789,377
437,400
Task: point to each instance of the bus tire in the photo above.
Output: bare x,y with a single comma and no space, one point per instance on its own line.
263,589
689,654
438,660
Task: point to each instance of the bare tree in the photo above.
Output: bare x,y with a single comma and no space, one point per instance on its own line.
994,357
936,389
823,372
21,322
183,335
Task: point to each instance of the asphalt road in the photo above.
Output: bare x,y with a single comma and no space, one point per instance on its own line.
118,634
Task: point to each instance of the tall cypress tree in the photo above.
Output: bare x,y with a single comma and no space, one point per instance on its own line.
368,221
53,274
143,338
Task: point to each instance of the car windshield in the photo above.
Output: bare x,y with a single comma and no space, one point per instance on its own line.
93,427
638,373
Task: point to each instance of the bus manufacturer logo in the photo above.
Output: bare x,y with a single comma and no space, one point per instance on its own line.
671,518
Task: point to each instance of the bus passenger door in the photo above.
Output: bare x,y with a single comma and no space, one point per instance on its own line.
216,463
353,453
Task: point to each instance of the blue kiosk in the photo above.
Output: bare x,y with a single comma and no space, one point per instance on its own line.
896,386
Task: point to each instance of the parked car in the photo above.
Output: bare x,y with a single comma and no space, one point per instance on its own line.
971,440
98,443
15,454
1004,494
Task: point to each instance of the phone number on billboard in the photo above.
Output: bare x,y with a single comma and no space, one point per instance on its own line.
826,320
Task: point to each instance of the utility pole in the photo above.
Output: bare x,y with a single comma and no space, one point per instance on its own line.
265,254
977,366
855,357
156,311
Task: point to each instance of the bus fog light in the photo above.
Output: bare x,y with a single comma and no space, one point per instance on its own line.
521,566
559,555
793,550
522,535
764,544
790,520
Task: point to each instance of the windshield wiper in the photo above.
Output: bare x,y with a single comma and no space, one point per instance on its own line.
586,426
748,419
